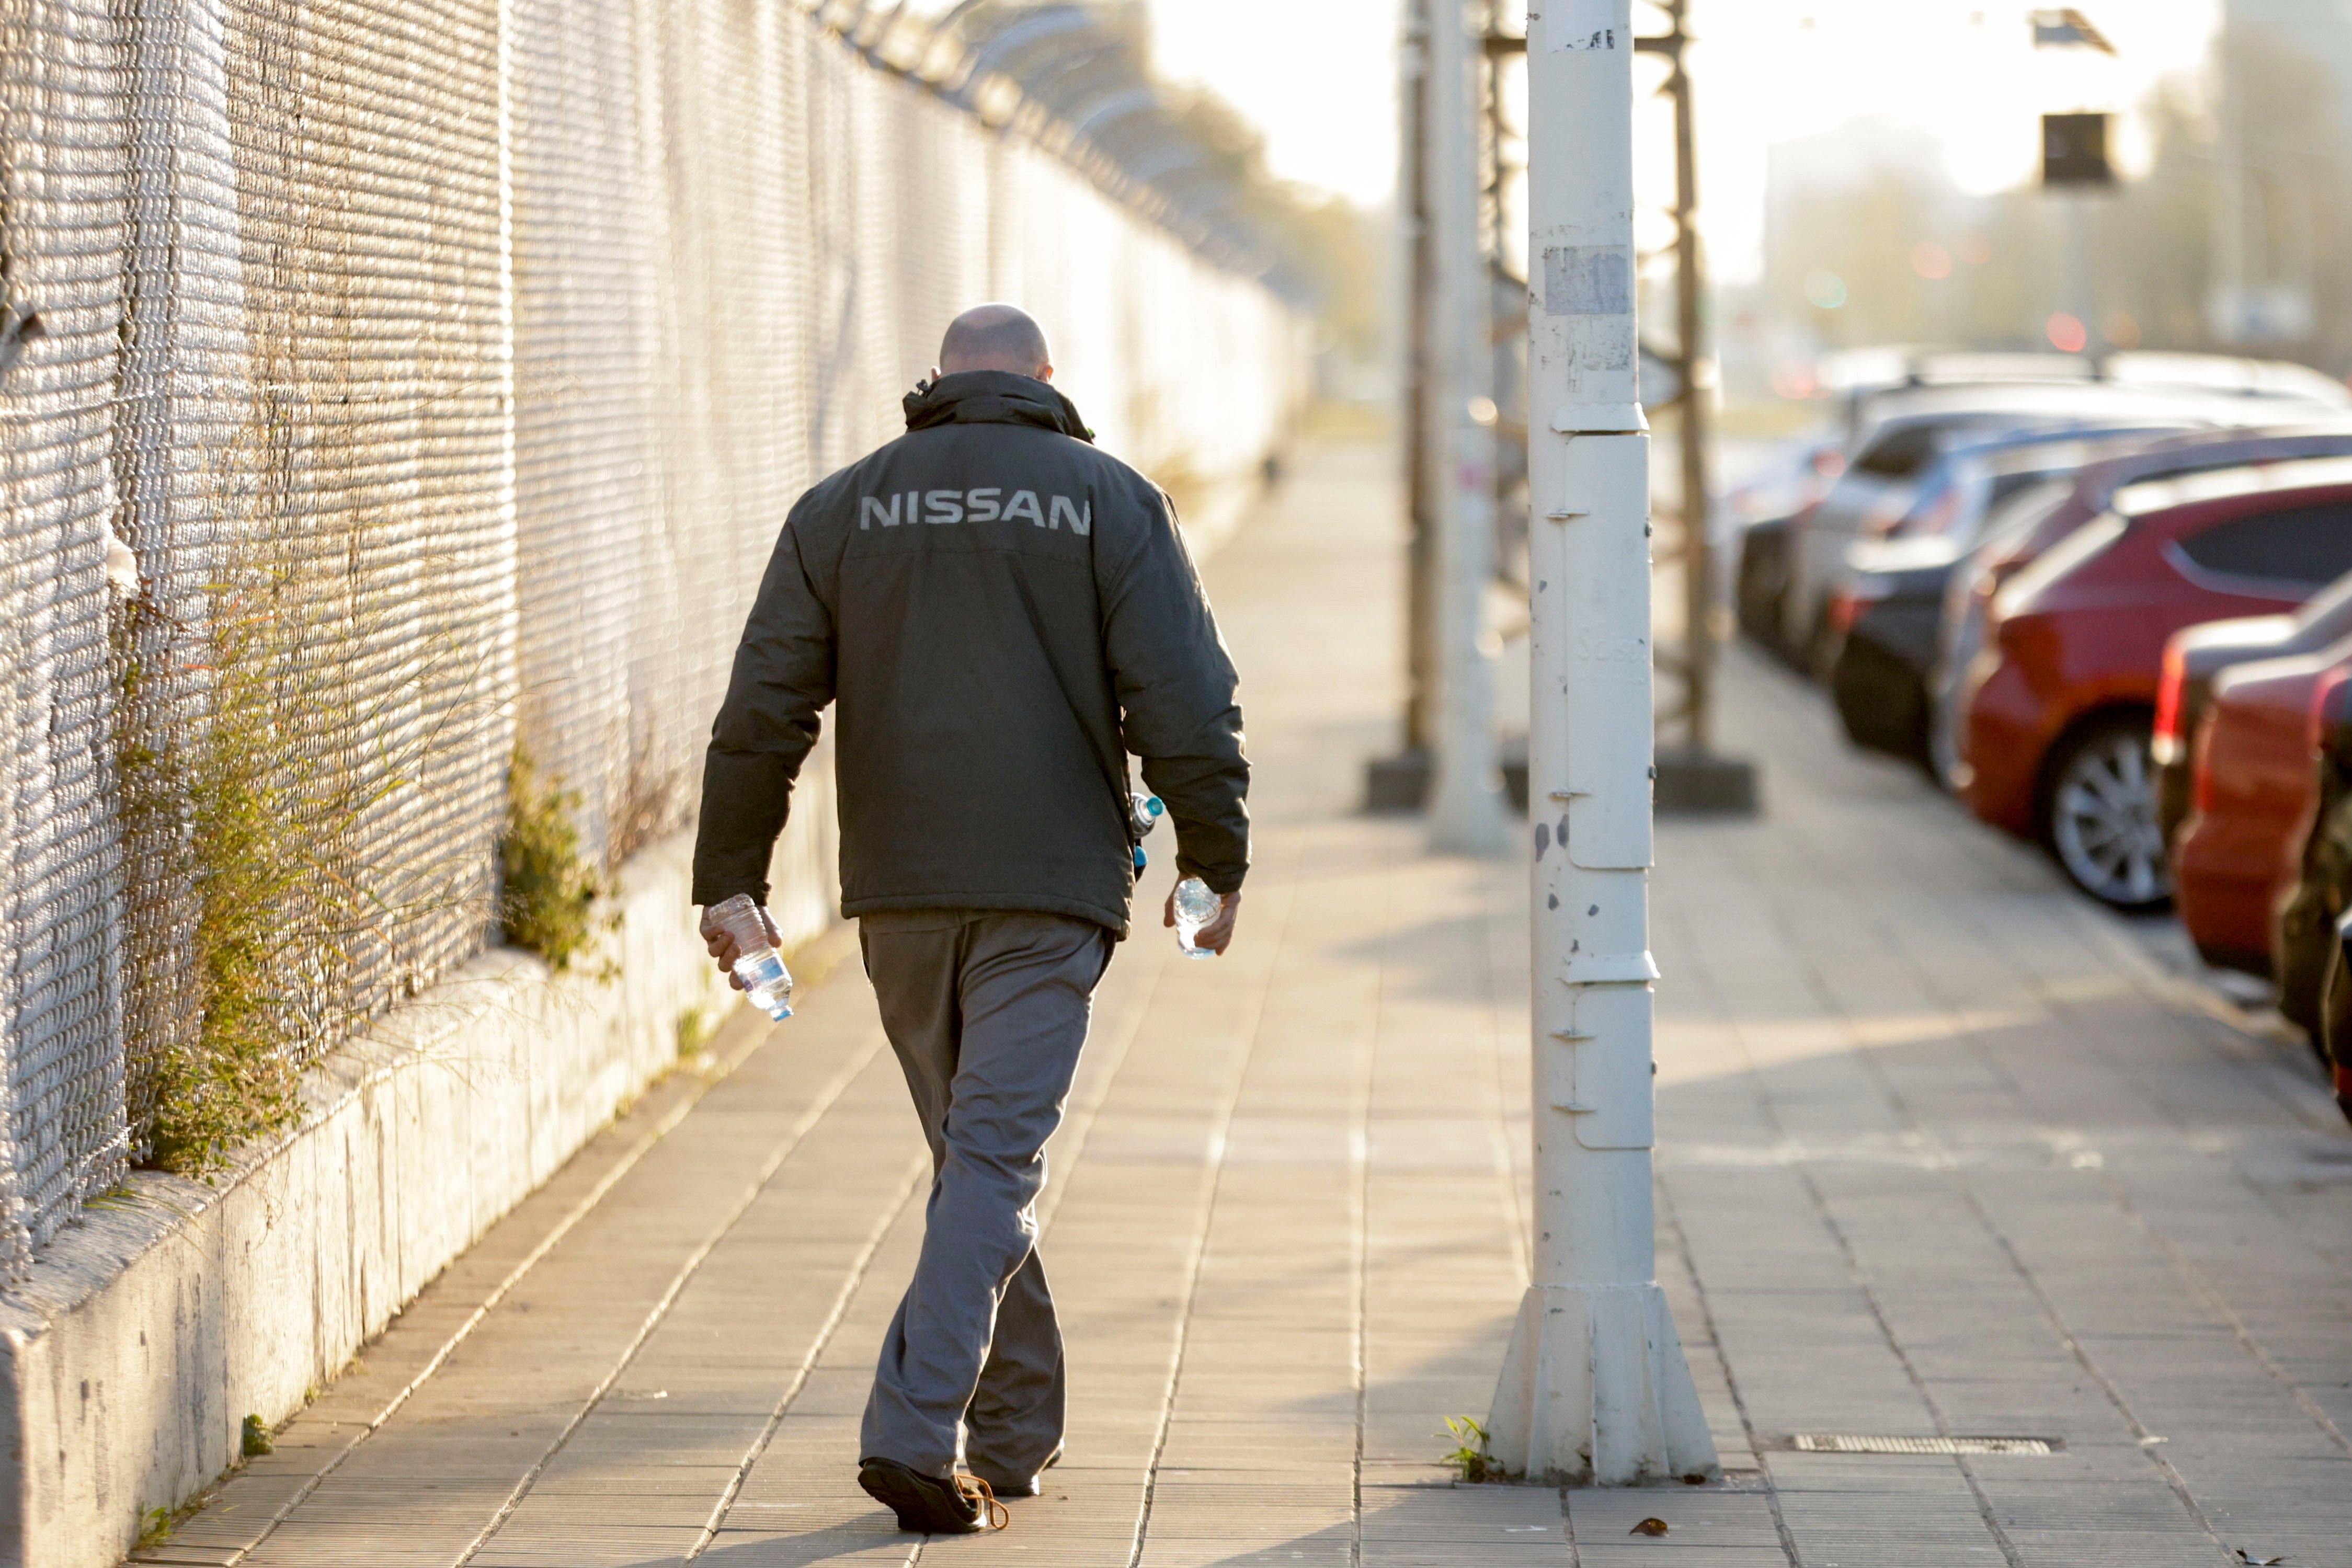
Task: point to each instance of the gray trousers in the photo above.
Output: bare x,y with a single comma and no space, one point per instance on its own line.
987,1011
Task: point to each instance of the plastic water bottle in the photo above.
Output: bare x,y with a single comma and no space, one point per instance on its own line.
1195,907
1143,814
756,964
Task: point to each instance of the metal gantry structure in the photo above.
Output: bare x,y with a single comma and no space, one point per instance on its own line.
1465,807
1692,775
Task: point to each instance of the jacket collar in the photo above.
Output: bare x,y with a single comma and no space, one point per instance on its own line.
993,397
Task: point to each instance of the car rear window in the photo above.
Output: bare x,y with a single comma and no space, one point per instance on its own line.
1898,453
2309,545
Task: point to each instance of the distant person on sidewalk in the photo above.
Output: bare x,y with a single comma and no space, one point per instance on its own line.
1002,614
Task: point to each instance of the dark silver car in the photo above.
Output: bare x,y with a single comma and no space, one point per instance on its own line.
1896,433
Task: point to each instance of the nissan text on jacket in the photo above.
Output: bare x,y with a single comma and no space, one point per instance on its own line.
999,614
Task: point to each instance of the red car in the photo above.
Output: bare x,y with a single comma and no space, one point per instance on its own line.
2253,789
2060,703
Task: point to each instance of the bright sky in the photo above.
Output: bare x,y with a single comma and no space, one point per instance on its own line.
1320,76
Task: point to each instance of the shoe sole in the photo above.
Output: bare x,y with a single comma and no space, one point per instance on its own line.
907,1497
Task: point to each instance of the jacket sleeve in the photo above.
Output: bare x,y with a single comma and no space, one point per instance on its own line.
784,678
1176,684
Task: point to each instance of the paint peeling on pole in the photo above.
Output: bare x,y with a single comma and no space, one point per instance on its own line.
1595,1390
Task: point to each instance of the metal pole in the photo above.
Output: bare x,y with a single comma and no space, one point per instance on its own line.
1595,1390
1698,543
1466,799
2226,308
1413,204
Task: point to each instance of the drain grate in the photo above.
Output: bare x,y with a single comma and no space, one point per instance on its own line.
1857,1443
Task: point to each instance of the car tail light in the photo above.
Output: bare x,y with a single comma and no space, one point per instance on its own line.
1848,602
2166,743
1844,607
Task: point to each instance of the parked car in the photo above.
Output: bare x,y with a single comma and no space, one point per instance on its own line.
2196,656
2061,702
1886,611
2317,869
1895,449
2253,798
1896,434
1760,508
2006,552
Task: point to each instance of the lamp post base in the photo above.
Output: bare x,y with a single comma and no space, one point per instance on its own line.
1595,1392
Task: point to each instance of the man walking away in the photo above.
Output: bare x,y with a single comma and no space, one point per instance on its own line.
1002,614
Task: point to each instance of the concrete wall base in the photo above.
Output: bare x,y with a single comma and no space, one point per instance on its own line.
156,1323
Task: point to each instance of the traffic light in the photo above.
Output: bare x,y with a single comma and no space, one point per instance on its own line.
2074,149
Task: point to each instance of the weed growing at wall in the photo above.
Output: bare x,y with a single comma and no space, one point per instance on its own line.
257,775
218,836
549,888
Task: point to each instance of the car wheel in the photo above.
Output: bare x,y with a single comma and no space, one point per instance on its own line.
2100,817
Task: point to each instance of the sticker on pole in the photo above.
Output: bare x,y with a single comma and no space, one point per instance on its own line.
1579,24
1587,280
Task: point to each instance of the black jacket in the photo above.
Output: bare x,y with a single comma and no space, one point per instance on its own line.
1001,614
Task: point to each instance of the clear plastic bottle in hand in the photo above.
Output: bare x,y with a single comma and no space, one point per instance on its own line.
757,962
1195,907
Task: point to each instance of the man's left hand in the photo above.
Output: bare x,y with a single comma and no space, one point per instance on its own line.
1218,932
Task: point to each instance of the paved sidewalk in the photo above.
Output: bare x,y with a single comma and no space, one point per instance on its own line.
1943,1155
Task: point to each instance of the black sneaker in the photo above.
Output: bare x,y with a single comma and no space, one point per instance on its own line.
929,1506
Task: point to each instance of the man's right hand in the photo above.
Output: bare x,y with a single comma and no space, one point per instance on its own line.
726,950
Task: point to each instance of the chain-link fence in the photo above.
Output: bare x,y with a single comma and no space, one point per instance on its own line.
391,386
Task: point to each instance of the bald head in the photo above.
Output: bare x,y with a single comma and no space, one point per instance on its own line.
996,337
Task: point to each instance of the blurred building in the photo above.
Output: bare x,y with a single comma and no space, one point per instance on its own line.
2321,29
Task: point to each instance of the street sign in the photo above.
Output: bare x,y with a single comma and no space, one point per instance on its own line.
2075,150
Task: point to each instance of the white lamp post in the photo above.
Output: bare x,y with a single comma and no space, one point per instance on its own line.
1595,1390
